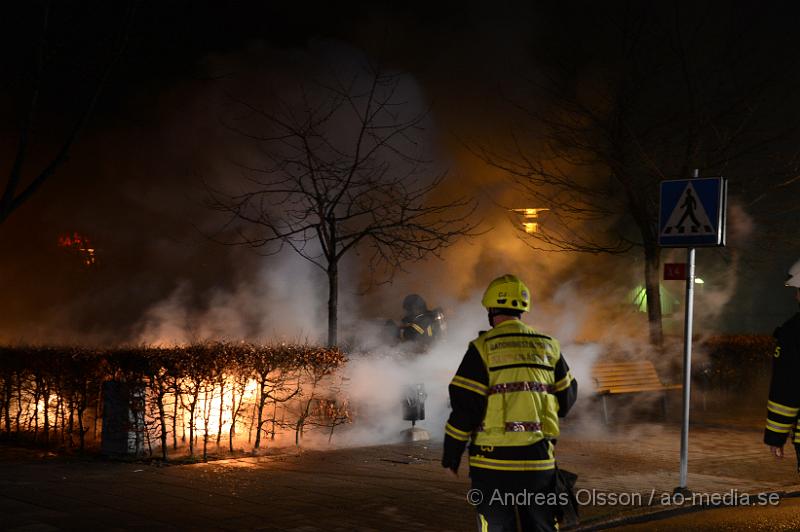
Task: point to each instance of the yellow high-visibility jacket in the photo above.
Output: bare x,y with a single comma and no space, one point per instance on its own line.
507,395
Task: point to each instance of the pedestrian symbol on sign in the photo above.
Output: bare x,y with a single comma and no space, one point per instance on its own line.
689,216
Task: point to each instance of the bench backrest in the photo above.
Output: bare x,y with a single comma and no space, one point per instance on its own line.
617,377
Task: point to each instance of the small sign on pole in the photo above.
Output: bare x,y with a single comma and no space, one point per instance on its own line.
675,271
692,214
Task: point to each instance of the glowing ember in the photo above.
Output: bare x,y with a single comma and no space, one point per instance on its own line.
81,245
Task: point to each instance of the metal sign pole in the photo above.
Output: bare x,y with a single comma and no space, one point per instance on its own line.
687,368
687,364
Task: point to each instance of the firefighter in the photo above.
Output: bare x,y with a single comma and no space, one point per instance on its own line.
419,324
507,395
783,405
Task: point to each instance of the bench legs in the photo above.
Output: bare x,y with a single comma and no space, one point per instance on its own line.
605,410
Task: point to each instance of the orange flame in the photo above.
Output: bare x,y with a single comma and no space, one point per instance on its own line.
80,244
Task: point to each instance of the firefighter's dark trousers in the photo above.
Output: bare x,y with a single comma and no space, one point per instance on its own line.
501,509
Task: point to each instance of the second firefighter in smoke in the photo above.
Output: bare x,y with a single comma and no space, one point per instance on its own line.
419,324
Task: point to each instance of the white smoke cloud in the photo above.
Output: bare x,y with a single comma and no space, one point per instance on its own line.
283,301
376,379
722,273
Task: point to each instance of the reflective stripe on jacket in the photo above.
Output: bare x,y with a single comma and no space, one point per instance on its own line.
783,405
521,408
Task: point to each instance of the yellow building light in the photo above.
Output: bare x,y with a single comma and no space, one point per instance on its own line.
528,215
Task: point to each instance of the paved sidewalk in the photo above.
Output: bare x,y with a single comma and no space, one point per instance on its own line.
785,516
393,487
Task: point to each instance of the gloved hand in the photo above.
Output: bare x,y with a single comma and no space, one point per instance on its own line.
451,457
797,452
451,463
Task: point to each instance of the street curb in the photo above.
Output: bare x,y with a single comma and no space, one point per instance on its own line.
604,523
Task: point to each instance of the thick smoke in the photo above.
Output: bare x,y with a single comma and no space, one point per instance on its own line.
281,302
171,286
375,380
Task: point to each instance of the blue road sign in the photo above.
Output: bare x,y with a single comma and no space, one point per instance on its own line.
692,212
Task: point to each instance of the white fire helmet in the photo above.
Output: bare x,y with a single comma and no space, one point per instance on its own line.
794,275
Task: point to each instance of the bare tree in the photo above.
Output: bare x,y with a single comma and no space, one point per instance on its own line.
238,388
339,169
159,380
17,188
665,91
195,368
272,370
333,410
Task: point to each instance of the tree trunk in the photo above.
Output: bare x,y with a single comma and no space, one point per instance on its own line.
234,414
221,410
207,412
62,416
8,394
82,404
56,417
652,275
333,302
175,416
262,400
274,420
252,423
18,420
36,395
162,419
46,410
192,407
71,422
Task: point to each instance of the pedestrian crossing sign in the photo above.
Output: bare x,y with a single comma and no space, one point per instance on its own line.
692,212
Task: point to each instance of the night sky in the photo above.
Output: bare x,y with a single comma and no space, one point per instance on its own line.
134,181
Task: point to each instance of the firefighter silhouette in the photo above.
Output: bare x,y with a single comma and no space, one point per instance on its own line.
689,206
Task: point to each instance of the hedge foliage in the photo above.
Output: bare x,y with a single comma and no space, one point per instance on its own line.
53,395
733,361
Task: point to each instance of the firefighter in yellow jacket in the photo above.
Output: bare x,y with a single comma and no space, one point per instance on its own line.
783,405
507,395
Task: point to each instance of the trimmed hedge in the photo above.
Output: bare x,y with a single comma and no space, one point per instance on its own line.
52,395
734,361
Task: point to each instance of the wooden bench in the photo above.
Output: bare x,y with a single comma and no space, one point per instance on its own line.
616,378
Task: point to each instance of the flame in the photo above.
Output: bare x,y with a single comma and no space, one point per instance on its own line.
209,404
81,245
213,416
